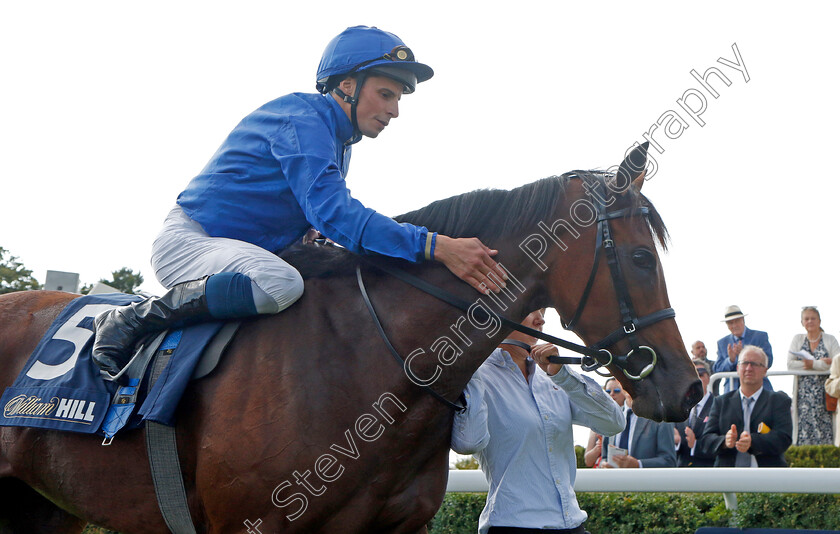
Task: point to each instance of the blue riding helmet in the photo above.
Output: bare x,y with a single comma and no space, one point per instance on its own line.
369,50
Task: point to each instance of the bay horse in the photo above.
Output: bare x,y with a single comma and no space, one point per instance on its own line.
308,425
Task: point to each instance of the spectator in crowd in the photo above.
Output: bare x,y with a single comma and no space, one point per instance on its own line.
698,352
812,350
750,426
832,387
729,347
648,443
688,454
592,454
518,424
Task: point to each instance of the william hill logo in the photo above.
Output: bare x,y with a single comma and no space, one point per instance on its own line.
57,408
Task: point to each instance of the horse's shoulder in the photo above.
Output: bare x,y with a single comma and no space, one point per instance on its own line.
28,302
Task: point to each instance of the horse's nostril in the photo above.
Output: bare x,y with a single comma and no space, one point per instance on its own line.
693,395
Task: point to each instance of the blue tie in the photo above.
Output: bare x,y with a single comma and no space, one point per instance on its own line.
625,435
743,459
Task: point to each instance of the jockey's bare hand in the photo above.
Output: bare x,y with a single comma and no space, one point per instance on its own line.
310,236
540,354
472,261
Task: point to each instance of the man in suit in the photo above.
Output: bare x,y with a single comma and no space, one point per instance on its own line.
648,443
751,426
688,453
729,347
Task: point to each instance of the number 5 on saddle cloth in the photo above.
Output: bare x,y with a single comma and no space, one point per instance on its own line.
61,388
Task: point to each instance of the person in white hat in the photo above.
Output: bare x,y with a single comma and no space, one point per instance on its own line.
729,347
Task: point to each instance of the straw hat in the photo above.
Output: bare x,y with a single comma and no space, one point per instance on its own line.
732,312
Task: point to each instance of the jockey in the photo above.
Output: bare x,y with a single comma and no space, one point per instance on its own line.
279,175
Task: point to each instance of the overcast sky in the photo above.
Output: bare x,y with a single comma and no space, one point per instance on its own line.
108,109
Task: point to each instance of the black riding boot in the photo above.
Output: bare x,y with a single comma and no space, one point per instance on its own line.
118,329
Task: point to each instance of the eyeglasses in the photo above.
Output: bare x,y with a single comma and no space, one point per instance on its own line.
616,390
701,371
751,364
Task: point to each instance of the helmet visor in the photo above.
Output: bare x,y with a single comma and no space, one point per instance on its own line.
404,76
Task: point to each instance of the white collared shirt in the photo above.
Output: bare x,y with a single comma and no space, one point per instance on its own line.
521,434
700,406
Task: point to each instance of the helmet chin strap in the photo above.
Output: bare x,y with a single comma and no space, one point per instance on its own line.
353,101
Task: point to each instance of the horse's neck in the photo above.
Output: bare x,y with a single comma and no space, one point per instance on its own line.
448,342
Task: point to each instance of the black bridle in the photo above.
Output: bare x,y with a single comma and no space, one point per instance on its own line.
593,357
630,323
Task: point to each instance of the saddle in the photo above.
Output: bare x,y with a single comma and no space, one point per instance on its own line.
152,355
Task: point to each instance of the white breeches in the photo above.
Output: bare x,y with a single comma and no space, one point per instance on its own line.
183,251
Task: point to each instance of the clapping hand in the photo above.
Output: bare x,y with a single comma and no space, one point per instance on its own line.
690,438
731,437
744,442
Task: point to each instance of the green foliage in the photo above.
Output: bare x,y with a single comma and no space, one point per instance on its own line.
13,275
124,280
665,513
655,513
458,514
467,463
788,511
579,452
813,456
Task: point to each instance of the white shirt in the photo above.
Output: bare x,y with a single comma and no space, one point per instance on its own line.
521,434
700,405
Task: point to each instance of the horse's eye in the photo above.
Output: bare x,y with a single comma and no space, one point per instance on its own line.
644,259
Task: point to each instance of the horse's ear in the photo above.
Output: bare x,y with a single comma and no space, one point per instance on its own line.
632,169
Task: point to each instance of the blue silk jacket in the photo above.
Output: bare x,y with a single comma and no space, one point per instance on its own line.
281,171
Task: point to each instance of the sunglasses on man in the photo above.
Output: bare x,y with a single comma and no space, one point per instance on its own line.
615,390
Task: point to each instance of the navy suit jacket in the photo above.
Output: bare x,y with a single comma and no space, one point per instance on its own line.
652,444
751,337
700,458
772,408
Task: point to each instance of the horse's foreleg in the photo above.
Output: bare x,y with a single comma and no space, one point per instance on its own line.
25,511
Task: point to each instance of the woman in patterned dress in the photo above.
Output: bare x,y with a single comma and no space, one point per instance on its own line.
812,424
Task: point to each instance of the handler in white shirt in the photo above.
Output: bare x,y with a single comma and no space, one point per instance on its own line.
518,425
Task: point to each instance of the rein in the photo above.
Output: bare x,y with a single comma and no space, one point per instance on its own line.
592,358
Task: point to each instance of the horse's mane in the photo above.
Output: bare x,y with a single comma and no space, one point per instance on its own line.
487,214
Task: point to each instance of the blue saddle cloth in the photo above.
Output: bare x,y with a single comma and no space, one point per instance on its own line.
61,388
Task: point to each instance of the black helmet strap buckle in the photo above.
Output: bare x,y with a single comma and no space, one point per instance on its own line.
353,101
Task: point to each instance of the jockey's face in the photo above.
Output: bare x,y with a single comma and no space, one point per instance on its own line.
378,103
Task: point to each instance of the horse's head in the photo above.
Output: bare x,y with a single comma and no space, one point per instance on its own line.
617,303
615,299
